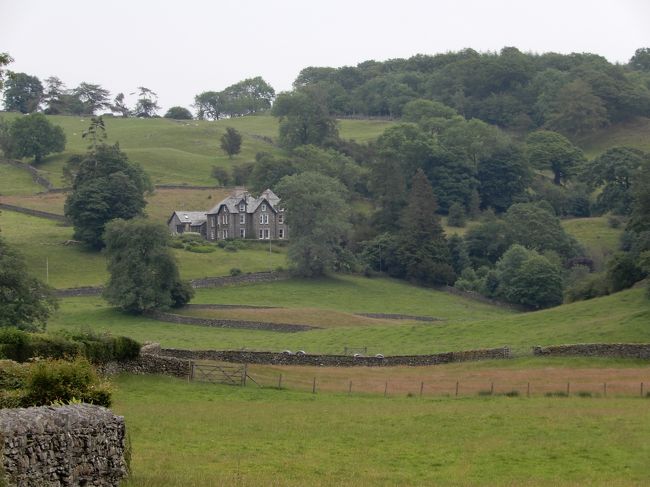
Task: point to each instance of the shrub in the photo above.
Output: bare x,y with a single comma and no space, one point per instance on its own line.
176,243
456,216
614,221
235,271
201,249
592,286
60,380
12,375
181,294
191,237
230,247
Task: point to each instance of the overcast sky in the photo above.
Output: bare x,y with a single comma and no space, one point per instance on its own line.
179,48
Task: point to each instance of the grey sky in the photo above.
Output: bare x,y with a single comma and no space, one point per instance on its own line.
179,48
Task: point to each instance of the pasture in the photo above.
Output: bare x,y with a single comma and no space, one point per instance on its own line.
210,435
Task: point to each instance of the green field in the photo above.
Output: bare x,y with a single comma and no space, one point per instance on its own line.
206,435
178,152
42,241
465,324
14,180
635,133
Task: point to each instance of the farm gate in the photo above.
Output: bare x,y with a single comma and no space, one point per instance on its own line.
233,374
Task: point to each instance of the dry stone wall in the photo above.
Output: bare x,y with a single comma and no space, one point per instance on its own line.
615,350
273,358
62,446
223,323
150,363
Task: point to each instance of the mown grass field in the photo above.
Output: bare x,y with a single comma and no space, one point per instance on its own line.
209,435
464,325
41,241
179,152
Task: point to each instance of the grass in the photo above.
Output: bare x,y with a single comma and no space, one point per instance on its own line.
208,435
622,317
635,133
599,239
72,266
180,152
14,180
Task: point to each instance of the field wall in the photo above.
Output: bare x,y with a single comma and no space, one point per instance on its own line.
614,350
62,446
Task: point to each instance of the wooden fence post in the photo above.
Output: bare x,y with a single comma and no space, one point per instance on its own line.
568,388
605,389
421,388
528,389
456,388
280,382
244,375
313,386
492,389
386,389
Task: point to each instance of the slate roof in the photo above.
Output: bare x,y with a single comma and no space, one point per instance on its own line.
232,201
192,217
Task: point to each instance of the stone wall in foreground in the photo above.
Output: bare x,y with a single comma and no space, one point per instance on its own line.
62,446
614,350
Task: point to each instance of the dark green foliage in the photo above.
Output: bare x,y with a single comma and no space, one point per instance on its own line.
106,186
614,171
641,59
309,158
231,142
503,176
143,271
456,217
221,175
34,136
22,93
25,302
623,271
529,279
576,110
179,113
458,253
421,246
5,59
147,104
61,380
268,171
241,173
487,242
317,213
304,119
89,98
592,286
550,150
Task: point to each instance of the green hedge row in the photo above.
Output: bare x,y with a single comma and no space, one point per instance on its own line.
21,346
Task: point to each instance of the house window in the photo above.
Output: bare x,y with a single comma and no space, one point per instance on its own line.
280,218
179,228
225,234
224,219
281,233
263,206
212,234
264,219
261,234
242,207
242,232
242,218
266,234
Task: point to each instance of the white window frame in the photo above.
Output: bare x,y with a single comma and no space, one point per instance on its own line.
242,207
267,234
242,218
224,219
224,233
242,233
280,218
261,234
281,233
212,234
263,206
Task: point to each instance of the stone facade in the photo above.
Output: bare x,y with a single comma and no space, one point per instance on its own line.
187,221
615,350
62,446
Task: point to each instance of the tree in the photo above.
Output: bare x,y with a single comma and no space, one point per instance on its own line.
304,119
143,271
147,104
550,150
23,93
268,171
5,59
614,171
456,217
92,97
422,248
119,106
221,175
528,278
209,105
96,133
34,136
231,142
25,302
246,97
576,110
641,59
503,175
179,113
54,96
317,213
487,242
106,186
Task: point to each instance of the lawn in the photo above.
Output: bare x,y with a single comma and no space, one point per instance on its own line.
208,435
42,241
14,180
464,325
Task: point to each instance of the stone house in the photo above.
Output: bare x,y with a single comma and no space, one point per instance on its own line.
188,221
241,215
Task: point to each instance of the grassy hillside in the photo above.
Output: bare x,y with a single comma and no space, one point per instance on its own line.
252,437
72,266
179,152
464,324
13,181
635,133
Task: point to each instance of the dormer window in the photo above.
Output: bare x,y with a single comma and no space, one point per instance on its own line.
263,206
242,207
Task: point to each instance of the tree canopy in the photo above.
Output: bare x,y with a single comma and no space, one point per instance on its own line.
550,150
231,142
179,113
34,136
22,93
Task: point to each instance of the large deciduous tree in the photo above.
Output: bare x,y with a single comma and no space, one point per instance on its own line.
143,271
34,136
179,113
106,186
147,103
231,142
317,213
5,59
550,150
25,302
92,97
23,93
304,119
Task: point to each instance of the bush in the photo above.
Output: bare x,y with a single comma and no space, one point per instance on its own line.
235,271
201,249
191,237
181,294
592,286
230,247
12,375
176,243
623,272
614,221
456,216
60,380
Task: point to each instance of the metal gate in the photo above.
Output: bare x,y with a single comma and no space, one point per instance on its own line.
233,374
